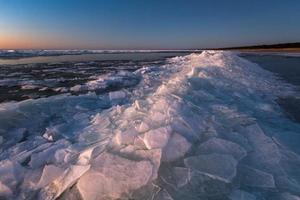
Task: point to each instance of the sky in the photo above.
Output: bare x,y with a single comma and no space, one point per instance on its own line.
146,24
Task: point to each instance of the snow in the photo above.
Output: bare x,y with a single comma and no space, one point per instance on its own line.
189,128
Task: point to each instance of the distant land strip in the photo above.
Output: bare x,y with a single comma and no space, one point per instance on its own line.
287,47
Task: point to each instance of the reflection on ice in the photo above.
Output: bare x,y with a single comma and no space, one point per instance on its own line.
199,127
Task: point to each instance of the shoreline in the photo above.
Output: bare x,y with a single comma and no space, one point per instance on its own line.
272,50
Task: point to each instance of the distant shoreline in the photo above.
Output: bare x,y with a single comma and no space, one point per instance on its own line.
284,47
274,50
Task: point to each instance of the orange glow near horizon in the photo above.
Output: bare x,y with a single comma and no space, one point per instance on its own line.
13,41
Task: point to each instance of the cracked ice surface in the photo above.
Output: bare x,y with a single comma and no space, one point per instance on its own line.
194,128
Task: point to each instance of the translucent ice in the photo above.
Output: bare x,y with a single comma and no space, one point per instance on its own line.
216,145
241,195
112,176
217,166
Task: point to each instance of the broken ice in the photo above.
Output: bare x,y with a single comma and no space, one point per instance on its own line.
197,127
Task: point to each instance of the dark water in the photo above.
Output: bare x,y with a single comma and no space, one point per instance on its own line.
288,68
36,77
93,57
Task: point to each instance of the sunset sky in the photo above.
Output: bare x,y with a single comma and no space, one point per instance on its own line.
142,24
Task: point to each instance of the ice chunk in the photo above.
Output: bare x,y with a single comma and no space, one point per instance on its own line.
4,191
220,146
256,178
288,196
176,147
112,176
157,138
49,174
85,157
217,166
154,155
40,158
238,138
181,176
163,195
241,195
11,173
265,154
158,116
20,134
200,185
126,137
29,87
143,127
78,88
287,184
51,134
139,143
117,95
59,185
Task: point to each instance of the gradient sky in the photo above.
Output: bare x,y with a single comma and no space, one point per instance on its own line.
146,24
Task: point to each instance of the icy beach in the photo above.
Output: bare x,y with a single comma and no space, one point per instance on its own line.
201,126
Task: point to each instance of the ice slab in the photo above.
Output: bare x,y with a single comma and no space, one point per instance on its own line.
157,138
217,166
49,174
288,196
112,176
256,178
11,173
176,147
59,185
163,195
126,137
154,156
220,146
181,175
241,195
117,95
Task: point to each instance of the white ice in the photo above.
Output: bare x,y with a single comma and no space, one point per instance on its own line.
207,119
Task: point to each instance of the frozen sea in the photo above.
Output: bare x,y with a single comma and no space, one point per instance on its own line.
211,125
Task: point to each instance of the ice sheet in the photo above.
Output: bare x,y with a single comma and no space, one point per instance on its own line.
198,126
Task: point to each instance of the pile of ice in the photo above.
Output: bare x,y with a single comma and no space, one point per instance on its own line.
121,79
199,127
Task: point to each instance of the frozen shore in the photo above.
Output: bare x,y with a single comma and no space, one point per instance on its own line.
202,126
